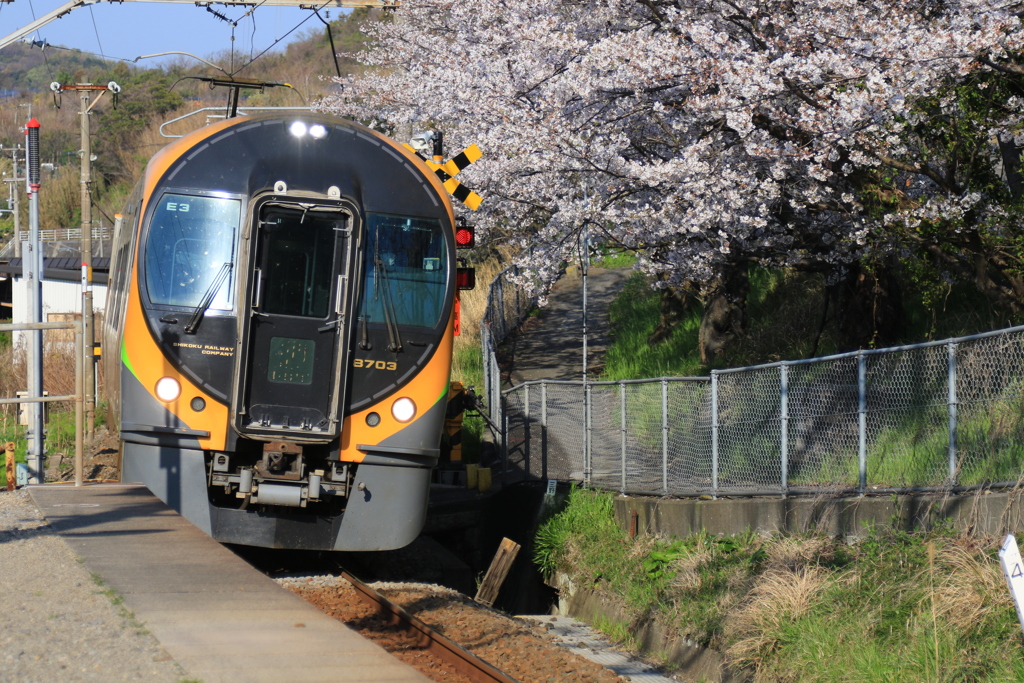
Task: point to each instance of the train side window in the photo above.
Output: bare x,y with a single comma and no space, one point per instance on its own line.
189,240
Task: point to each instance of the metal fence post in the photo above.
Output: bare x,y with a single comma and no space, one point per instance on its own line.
862,423
79,405
526,430
664,436
504,441
714,434
588,464
951,348
484,356
544,429
784,426
622,431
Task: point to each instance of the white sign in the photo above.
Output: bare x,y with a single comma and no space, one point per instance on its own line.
552,483
1013,570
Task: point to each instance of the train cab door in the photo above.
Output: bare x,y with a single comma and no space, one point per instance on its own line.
293,359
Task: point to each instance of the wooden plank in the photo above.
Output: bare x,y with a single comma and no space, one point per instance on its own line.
496,573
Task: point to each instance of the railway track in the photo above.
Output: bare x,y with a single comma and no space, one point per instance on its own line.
460,659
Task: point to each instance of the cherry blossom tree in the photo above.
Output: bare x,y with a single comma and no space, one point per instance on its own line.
836,136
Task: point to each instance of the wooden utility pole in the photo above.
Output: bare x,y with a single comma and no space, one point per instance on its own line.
89,362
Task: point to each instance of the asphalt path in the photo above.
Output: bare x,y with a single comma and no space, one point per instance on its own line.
550,344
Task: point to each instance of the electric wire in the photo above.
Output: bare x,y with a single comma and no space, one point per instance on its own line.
97,32
42,42
274,44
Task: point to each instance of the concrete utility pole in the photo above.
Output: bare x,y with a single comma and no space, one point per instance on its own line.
88,320
17,204
14,198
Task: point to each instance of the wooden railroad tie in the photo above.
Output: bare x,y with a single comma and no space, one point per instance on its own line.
496,573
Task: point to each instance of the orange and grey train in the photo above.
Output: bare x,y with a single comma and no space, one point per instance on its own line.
282,299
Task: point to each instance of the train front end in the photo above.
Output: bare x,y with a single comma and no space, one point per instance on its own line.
282,299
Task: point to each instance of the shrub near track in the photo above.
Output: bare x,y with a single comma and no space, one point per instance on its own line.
895,606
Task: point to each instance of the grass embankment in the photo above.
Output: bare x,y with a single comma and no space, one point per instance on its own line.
784,312
895,606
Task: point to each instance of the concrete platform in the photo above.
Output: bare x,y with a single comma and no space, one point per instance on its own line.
219,618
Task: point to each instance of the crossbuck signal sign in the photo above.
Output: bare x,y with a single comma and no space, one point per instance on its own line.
447,171
1013,570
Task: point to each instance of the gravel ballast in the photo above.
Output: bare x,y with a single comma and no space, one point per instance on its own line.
56,622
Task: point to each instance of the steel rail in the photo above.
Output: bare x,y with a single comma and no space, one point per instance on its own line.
464,661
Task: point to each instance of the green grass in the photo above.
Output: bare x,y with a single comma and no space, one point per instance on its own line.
784,316
467,367
803,607
614,258
633,316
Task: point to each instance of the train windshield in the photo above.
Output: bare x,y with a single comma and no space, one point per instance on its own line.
190,241
406,270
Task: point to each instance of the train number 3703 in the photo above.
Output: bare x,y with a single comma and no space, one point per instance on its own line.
374,364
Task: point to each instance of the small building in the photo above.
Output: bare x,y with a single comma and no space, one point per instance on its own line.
62,290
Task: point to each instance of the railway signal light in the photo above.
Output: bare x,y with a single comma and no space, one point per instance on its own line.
465,278
465,236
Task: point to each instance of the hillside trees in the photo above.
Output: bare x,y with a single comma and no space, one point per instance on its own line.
844,137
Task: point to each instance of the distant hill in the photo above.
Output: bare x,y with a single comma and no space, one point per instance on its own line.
25,67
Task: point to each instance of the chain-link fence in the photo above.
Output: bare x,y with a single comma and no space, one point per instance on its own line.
940,415
507,306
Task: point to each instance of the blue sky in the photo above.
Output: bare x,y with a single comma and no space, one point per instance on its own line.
132,29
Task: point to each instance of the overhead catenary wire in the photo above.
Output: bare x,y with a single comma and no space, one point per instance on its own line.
96,31
274,44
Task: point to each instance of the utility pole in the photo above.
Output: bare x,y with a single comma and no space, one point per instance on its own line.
17,204
84,90
32,267
14,200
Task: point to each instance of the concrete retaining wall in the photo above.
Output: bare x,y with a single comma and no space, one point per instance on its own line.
656,641
984,512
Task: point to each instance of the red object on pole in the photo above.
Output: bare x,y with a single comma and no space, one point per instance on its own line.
32,132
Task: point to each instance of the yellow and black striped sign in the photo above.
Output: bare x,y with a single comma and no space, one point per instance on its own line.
448,170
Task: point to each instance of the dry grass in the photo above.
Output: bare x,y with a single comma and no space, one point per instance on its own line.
60,199
777,596
688,577
58,373
973,588
466,363
796,552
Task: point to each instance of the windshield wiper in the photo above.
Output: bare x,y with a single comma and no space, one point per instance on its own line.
390,319
197,315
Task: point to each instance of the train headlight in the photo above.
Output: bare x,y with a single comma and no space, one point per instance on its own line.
298,129
168,389
403,409
318,131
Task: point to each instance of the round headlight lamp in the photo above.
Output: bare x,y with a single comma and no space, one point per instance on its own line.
168,389
403,409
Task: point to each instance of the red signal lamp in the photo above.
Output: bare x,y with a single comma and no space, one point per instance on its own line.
465,238
465,278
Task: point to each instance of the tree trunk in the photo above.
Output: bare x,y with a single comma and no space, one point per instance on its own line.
676,303
869,308
725,312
